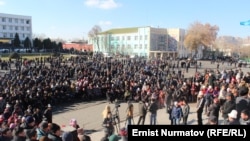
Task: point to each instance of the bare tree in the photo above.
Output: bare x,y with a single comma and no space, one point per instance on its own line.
244,52
93,34
200,34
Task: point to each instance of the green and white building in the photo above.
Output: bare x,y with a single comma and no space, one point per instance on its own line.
142,41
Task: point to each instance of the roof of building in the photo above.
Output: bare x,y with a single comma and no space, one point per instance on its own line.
121,30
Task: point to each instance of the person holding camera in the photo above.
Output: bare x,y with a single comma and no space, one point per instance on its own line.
108,124
142,111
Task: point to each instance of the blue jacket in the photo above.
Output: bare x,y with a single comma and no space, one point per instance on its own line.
176,112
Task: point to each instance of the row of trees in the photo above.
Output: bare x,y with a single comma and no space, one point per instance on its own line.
37,44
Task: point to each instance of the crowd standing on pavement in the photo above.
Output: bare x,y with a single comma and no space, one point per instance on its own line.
29,91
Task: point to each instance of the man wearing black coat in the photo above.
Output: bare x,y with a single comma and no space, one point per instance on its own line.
228,106
142,112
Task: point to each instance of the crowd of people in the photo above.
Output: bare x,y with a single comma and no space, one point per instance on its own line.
29,89
217,92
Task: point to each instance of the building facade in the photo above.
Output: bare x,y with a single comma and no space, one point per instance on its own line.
11,24
142,41
78,46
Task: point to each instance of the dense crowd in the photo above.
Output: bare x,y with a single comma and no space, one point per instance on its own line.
29,89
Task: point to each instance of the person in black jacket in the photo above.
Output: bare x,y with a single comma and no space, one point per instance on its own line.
108,124
227,107
142,112
214,109
48,114
153,111
55,132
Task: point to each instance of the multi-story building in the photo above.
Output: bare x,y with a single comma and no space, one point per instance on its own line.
11,24
142,41
176,38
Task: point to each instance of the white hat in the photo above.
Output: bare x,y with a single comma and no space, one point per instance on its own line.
8,105
175,103
233,114
49,106
73,122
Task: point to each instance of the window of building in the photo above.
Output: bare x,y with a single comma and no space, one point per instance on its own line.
11,35
22,28
4,27
117,38
16,20
123,38
3,19
128,37
27,21
145,46
136,46
161,38
141,37
10,20
28,28
136,37
129,46
22,21
23,35
146,37
140,46
112,38
10,27
5,35
16,27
